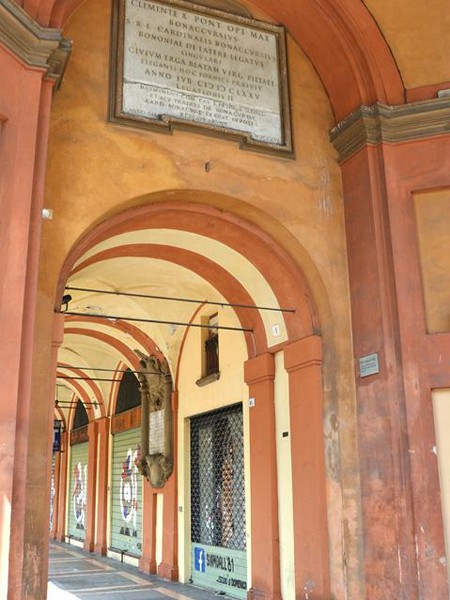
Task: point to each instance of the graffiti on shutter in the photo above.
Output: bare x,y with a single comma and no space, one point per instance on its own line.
126,490
78,490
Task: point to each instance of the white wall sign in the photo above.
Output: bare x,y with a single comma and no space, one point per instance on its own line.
369,365
178,64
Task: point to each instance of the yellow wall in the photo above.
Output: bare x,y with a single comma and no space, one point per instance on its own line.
193,400
284,472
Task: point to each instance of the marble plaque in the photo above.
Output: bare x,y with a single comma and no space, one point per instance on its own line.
177,63
156,432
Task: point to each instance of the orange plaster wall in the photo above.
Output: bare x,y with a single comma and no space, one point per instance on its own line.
97,169
418,34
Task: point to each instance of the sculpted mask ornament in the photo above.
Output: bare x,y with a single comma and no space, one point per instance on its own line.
156,462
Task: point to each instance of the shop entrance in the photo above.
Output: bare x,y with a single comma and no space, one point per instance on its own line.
218,529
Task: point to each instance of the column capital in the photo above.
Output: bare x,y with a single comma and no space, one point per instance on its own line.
36,46
378,123
260,368
303,353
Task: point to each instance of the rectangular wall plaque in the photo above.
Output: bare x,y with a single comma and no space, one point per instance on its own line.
177,64
369,365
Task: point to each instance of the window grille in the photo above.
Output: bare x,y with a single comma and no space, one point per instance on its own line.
217,479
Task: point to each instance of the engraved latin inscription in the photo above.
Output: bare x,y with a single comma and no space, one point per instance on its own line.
195,67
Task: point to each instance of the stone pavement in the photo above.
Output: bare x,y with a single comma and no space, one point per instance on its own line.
73,573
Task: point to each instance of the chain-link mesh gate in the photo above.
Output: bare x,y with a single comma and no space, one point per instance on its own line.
217,479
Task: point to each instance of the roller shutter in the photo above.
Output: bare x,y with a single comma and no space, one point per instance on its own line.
78,491
126,493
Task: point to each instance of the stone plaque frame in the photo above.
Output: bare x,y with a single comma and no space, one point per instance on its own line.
223,114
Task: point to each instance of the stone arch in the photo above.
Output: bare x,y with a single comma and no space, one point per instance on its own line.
188,224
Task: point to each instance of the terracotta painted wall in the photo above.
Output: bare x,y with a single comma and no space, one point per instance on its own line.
25,109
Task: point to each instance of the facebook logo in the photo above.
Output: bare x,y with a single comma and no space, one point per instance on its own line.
200,560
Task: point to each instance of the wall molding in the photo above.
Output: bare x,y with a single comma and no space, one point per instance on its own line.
380,123
36,46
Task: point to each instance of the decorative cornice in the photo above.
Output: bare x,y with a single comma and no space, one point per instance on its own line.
36,46
379,123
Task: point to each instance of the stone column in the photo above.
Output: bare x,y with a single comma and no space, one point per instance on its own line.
259,374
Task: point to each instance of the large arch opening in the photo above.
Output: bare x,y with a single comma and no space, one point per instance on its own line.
153,281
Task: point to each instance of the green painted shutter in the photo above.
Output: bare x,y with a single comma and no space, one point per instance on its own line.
78,490
126,493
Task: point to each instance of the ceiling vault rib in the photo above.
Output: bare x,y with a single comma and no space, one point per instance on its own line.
192,300
157,321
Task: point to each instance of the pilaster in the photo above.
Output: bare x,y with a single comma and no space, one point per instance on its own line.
387,153
147,562
303,362
168,569
93,447
101,525
259,374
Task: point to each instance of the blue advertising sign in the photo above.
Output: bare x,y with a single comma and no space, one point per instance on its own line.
200,559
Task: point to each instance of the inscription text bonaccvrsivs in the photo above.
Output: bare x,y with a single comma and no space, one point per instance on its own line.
176,63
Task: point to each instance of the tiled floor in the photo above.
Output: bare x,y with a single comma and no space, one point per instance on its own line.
74,573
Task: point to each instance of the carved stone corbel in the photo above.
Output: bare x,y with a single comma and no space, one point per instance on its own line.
156,462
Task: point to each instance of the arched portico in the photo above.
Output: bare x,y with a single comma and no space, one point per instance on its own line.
264,292
389,530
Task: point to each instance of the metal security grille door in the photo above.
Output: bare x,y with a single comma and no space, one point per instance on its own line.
78,491
126,493
218,501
